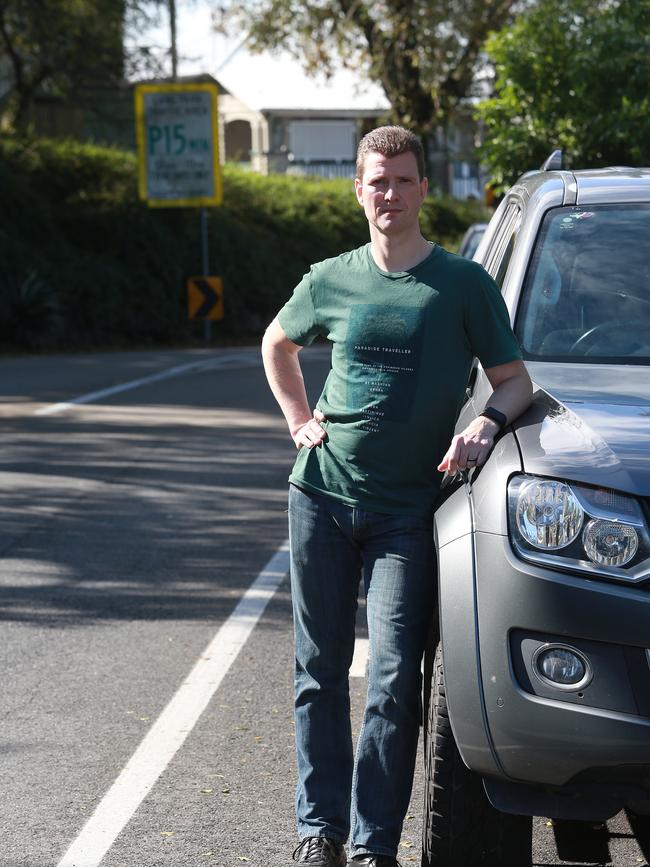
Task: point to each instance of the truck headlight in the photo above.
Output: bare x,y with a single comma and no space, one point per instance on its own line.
609,543
546,517
549,515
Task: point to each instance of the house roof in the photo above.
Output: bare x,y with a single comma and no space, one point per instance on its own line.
308,109
197,78
269,82
322,113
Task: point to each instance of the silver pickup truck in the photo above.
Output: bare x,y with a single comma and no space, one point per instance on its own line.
537,677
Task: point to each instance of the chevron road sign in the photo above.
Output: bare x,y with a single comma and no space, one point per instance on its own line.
205,298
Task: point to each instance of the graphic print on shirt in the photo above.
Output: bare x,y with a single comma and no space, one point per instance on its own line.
383,348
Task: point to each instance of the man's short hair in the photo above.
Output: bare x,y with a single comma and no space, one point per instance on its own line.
390,141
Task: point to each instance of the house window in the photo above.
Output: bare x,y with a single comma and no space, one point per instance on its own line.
465,181
321,140
238,139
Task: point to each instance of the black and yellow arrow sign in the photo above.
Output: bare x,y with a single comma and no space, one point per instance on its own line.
205,297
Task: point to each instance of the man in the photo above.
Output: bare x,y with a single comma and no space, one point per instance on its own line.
405,319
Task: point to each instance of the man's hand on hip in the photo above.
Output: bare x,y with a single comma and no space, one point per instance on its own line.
471,447
311,433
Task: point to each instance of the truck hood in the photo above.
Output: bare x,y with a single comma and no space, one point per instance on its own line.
589,423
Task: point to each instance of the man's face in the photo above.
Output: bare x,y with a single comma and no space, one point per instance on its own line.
391,192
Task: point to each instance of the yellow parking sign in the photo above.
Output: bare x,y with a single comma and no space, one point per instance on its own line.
177,136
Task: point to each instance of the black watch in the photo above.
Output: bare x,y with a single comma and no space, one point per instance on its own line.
494,415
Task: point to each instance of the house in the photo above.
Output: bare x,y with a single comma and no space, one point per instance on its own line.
323,141
294,141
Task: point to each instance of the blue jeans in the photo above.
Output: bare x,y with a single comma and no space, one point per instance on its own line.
332,546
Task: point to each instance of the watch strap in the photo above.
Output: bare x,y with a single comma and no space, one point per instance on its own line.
495,415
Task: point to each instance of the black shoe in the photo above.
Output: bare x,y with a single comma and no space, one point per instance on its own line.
374,861
320,852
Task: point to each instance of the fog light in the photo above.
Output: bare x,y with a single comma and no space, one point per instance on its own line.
562,666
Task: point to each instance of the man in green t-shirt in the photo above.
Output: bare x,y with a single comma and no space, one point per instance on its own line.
405,320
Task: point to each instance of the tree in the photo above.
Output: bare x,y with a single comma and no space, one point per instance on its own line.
60,46
57,45
143,59
424,53
573,74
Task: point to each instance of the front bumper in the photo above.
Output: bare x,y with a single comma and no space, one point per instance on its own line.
548,739
494,609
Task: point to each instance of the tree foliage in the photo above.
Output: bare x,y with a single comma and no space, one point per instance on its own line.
142,57
423,53
62,285
59,46
573,74
56,45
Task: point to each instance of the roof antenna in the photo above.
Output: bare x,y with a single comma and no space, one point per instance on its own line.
552,163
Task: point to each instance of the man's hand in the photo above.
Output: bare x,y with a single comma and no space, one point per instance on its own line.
470,448
311,433
511,396
285,378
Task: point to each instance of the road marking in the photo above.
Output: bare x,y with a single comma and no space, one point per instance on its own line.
176,721
223,360
240,359
360,659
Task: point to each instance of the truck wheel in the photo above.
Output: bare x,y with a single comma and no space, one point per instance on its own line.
461,828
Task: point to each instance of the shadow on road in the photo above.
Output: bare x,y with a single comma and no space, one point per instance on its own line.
143,511
640,826
583,842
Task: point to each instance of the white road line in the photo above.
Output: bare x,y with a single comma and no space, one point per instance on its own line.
240,359
175,722
360,658
206,364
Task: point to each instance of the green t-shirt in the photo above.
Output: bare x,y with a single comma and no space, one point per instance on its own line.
403,345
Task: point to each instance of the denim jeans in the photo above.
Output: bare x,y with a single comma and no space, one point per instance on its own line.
332,546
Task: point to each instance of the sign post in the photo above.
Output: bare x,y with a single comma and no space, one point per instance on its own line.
177,137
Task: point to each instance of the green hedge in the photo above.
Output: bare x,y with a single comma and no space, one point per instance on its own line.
85,264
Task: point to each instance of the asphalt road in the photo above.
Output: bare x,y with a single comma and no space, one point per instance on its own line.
130,528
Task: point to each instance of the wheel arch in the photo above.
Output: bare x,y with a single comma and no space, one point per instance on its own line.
458,629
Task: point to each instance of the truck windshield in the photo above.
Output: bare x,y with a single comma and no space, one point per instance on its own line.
586,296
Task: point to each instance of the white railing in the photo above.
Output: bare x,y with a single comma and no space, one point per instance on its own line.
323,170
466,188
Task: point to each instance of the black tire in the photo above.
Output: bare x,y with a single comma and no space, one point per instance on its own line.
461,828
